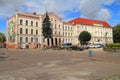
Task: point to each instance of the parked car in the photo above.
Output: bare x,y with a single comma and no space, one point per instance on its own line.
85,47
95,46
66,45
76,48
98,45
91,46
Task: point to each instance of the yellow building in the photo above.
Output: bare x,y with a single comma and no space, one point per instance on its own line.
25,30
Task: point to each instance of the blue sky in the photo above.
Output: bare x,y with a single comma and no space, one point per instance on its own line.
106,10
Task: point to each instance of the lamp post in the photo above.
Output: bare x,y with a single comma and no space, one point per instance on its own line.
35,41
106,38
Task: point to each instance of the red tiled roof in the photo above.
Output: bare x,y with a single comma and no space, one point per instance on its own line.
84,21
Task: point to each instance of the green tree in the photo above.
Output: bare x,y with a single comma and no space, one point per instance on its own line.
116,33
84,37
2,37
46,27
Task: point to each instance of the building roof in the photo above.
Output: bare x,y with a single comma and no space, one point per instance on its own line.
91,22
53,14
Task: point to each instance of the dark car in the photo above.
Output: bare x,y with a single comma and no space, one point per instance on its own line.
76,48
66,45
85,47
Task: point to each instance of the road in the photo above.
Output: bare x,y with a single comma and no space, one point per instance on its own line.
37,64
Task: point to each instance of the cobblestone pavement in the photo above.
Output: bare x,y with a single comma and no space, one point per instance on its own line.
36,64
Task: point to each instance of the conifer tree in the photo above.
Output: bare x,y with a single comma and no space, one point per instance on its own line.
46,27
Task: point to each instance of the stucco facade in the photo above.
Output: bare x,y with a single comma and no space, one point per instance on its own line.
26,28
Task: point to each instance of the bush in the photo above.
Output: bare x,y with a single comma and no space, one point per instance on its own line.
116,45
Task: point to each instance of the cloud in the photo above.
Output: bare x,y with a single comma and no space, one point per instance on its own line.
7,7
103,14
93,9
57,6
108,2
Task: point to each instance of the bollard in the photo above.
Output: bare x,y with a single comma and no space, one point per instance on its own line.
89,53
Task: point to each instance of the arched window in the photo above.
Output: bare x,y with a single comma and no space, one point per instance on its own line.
36,24
26,31
31,23
59,33
26,39
21,21
36,31
36,39
21,31
20,39
26,22
59,26
31,39
55,26
31,31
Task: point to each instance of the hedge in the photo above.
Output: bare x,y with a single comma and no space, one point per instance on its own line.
115,45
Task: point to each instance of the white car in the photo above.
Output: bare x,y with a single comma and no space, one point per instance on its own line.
91,46
94,46
97,46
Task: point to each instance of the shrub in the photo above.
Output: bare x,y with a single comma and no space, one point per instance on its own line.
116,45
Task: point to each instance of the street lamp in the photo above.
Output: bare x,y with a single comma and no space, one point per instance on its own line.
106,37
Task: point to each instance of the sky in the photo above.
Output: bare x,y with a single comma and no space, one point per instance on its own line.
105,10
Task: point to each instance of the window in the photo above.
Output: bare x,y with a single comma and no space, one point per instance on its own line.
31,23
55,26
59,26
71,34
21,21
68,34
31,39
55,32
65,33
20,39
20,30
26,39
68,28
59,33
71,28
36,39
26,23
65,27
31,31
36,31
36,24
26,31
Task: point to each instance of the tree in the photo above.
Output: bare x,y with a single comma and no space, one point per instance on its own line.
46,27
116,34
84,37
2,37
